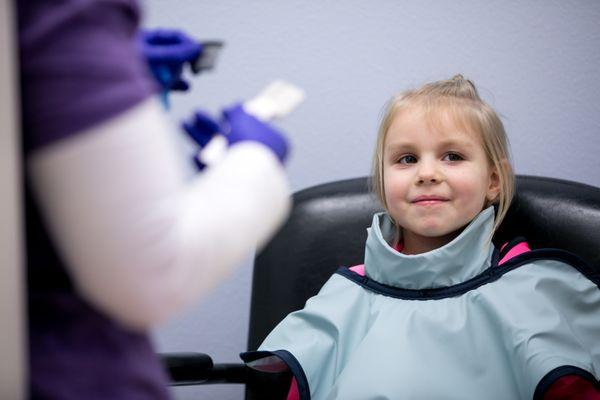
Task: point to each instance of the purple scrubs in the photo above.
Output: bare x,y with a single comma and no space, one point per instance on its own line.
79,67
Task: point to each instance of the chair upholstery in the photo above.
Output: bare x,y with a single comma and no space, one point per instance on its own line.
327,229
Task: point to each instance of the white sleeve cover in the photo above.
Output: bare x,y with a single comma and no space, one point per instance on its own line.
139,241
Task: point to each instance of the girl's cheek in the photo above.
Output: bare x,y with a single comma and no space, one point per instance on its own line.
470,184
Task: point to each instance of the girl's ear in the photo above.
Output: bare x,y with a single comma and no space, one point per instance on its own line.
493,189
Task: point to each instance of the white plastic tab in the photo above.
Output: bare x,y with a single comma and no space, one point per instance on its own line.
277,100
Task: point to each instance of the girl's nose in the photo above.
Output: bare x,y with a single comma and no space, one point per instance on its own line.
428,173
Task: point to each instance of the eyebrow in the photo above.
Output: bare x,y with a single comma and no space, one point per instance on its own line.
405,145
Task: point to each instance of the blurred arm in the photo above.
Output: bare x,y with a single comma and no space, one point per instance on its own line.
139,241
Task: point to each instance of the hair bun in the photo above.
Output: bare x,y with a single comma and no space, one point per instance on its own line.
459,86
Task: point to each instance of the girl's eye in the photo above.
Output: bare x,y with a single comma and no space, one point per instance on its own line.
453,157
408,159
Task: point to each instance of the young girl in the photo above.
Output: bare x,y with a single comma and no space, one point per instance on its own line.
436,311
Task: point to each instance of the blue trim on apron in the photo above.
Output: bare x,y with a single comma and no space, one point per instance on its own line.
291,362
557,373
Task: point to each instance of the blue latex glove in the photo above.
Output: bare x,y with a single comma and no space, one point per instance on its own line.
237,126
240,126
167,51
202,127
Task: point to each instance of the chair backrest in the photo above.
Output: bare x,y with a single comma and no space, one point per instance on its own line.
327,229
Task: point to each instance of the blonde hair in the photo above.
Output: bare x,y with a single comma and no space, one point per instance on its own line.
458,99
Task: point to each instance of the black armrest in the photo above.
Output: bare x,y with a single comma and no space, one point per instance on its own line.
198,369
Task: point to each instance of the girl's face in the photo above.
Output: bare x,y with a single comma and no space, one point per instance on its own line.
436,179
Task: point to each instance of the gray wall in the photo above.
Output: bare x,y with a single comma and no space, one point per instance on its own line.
536,62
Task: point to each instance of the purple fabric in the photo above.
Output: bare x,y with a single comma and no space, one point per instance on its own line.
79,67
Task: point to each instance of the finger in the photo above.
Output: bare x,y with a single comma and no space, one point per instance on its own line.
180,86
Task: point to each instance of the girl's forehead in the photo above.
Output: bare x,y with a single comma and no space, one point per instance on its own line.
440,123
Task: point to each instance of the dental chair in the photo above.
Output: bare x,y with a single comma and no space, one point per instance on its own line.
327,229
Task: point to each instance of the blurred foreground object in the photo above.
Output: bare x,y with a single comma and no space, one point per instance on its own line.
168,51
12,265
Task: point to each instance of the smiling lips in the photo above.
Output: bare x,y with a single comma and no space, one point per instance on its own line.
429,200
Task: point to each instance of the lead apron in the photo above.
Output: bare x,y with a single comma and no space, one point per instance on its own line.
446,324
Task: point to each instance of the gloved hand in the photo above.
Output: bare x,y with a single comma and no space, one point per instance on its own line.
202,127
236,126
239,126
167,51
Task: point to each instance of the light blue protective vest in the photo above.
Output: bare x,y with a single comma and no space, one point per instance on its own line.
447,324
